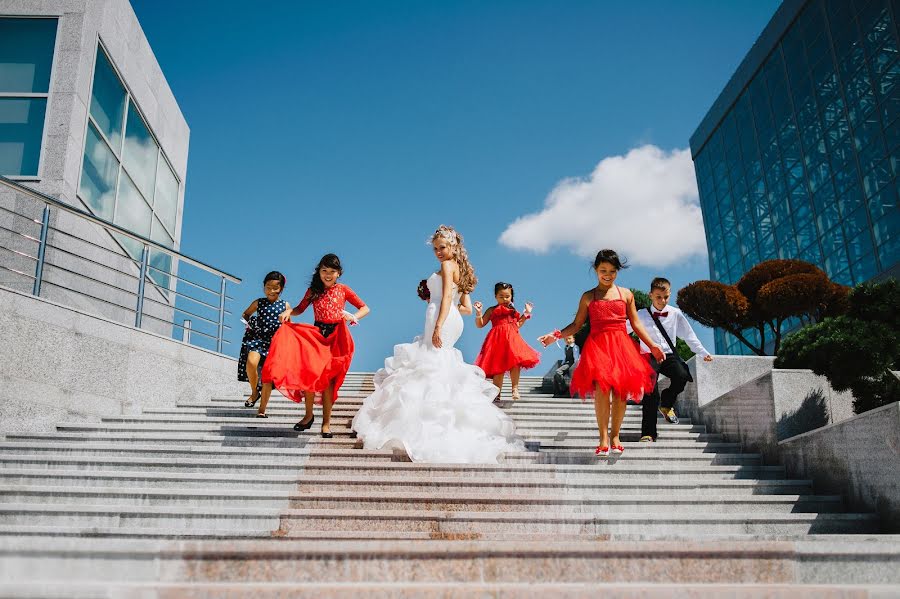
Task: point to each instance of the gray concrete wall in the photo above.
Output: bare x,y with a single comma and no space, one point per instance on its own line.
859,458
774,406
58,364
712,379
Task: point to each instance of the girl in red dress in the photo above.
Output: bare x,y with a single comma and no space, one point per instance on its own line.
611,368
308,359
504,350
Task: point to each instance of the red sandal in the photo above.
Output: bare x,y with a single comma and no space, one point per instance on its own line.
617,448
602,450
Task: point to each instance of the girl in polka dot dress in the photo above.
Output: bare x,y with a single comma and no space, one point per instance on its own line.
308,359
263,318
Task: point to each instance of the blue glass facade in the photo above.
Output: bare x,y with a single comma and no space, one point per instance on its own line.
799,156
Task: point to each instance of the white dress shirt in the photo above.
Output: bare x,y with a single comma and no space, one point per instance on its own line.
676,325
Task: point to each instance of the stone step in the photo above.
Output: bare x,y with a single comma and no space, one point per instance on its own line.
374,482
94,448
144,438
285,521
485,499
617,466
445,590
341,423
687,453
260,426
355,398
296,412
509,564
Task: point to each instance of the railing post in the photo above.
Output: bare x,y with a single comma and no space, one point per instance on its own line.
221,334
186,331
42,248
139,310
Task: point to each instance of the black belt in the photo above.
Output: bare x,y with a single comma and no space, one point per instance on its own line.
326,328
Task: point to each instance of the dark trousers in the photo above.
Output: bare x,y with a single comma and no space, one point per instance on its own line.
654,400
562,378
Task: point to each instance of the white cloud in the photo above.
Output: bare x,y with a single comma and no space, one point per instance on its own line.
644,205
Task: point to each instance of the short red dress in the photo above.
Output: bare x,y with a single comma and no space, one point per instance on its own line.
304,357
610,357
503,348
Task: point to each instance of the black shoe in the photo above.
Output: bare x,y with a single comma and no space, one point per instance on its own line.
327,435
300,426
261,416
250,403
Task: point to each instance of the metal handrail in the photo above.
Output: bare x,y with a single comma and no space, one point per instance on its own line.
148,273
116,228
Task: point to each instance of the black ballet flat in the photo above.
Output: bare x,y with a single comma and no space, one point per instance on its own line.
302,427
250,403
327,435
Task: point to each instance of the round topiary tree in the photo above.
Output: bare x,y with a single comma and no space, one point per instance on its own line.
763,299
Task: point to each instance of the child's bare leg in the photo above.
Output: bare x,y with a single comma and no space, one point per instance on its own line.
618,416
253,375
498,382
514,381
264,398
327,403
601,409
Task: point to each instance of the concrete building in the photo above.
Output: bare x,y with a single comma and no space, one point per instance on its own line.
798,157
87,117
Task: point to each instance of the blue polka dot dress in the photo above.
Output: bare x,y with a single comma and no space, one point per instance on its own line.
258,335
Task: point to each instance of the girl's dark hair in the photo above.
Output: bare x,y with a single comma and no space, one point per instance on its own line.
275,276
611,257
327,261
498,287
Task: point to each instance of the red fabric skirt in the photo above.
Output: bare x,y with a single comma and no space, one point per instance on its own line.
612,360
301,359
504,349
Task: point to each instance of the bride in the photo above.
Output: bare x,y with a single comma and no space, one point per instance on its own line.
427,400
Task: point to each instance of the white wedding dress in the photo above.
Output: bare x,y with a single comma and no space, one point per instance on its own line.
434,405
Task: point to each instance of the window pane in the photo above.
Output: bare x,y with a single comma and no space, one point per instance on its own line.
98,176
140,153
108,101
132,212
21,129
26,54
160,262
166,202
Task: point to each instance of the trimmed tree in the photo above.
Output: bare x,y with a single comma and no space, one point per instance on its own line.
763,299
855,351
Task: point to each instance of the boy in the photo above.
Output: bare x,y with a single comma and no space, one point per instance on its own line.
563,375
675,325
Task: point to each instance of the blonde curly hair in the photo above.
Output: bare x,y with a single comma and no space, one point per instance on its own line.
467,278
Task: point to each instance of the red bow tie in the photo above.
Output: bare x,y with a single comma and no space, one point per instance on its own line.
660,314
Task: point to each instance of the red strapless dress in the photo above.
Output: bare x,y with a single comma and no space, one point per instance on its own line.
302,359
503,348
610,358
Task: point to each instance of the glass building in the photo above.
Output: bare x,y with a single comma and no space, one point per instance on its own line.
799,155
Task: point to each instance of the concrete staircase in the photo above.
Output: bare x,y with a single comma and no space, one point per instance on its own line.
206,500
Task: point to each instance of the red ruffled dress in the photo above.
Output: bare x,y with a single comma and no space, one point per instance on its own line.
307,357
610,357
503,348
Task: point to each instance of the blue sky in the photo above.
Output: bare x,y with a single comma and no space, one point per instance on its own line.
358,127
